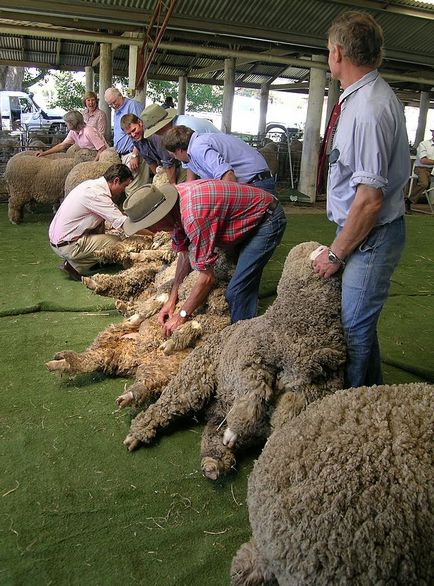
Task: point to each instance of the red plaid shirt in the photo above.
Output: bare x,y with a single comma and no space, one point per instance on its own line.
214,214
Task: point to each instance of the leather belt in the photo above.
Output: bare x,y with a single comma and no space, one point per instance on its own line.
270,209
260,177
124,153
63,243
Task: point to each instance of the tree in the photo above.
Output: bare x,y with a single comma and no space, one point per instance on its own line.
69,91
11,78
200,97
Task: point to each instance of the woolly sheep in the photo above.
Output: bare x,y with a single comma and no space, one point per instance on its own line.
91,169
344,494
30,178
138,344
146,254
295,347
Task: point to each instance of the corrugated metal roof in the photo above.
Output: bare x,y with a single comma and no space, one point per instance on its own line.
295,28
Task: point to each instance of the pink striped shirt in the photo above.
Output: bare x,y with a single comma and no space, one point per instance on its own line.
86,138
97,119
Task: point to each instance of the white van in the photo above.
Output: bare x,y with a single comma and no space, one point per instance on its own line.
20,112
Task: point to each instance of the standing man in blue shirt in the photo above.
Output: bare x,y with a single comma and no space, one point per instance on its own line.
218,156
122,142
369,168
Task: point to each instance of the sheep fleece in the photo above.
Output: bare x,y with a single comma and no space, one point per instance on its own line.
345,493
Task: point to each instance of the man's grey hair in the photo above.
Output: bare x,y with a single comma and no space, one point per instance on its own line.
111,94
360,38
75,120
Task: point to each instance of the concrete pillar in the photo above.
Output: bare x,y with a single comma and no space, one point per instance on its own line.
182,93
421,121
88,70
263,105
132,69
332,96
228,95
105,81
311,137
140,94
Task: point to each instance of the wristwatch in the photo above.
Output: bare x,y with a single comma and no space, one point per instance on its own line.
183,313
134,156
334,259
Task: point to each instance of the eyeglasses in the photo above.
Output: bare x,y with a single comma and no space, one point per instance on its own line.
114,103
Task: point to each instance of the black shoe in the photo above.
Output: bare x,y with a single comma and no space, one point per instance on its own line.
70,271
407,206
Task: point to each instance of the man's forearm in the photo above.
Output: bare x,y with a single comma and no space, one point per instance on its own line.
183,268
204,283
361,219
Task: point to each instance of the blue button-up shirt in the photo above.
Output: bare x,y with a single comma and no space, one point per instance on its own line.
122,142
212,155
370,147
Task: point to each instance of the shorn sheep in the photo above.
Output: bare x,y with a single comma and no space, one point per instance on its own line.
295,348
344,494
136,346
30,178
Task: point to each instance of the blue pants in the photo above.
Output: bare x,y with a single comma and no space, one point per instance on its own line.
266,184
365,285
243,289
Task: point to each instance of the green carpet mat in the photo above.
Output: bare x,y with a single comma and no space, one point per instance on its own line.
75,507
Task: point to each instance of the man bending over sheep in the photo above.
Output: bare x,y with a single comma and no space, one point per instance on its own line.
76,232
86,137
202,215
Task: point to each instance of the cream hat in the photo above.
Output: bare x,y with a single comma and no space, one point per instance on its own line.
154,117
147,206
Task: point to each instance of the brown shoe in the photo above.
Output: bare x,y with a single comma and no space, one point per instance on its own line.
70,271
407,206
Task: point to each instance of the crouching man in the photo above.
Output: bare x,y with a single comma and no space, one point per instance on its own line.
77,229
201,216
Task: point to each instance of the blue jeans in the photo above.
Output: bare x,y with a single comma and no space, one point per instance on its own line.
365,285
266,184
243,289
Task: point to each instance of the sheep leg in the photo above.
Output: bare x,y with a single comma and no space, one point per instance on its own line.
187,392
249,568
183,337
15,212
151,379
216,458
247,419
74,362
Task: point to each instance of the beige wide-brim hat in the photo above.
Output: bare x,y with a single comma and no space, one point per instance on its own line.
154,117
147,206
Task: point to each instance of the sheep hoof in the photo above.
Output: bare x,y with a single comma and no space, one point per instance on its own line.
167,347
135,319
89,282
210,468
131,442
137,256
53,365
229,438
125,399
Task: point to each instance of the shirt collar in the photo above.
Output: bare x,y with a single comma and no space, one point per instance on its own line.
190,144
367,78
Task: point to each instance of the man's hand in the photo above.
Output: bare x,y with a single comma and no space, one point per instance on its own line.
171,324
166,312
323,266
134,163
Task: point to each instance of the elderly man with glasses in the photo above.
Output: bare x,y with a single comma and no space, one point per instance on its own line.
123,144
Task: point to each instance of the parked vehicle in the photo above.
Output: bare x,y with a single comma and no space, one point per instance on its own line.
19,111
